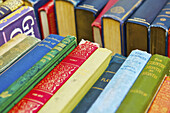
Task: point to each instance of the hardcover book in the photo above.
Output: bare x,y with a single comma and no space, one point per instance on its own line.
116,90
115,63
86,12
113,24
138,24
96,25
21,21
146,86
47,19
158,40
16,52
50,84
79,83
18,89
161,103
65,16
28,60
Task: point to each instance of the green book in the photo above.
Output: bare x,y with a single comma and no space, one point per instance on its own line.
16,91
146,86
13,54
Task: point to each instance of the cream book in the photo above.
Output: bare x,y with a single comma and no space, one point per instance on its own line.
70,94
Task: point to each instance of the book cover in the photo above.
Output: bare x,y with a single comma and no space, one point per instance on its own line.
16,52
161,103
36,4
8,6
158,39
113,25
143,91
115,63
86,12
96,25
138,24
65,16
50,84
47,19
79,83
18,89
20,21
28,60
116,90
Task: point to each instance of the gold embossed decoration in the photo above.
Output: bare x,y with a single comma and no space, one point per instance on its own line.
117,9
163,19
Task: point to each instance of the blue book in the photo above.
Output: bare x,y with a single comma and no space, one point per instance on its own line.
86,12
158,39
115,63
28,60
116,90
138,24
113,25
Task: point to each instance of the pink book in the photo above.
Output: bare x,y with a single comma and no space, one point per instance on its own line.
50,84
96,25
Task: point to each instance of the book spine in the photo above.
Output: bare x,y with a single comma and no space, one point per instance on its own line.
145,87
120,84
16,52
115,63
44,90
161,102
169,43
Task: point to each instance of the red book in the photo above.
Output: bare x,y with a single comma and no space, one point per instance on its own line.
47,87
47,19
96,25
161,103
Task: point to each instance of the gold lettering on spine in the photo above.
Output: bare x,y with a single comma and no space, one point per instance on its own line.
105,80
43,60
2,12
137,91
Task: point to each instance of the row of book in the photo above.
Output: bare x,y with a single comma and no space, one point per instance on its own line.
58,76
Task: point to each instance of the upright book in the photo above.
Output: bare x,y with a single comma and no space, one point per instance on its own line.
65,16
79,83
138,24
145,88
96,25
47,19
21,20
116,90
86,12
158,40
115,63
113,24
18,89
50,84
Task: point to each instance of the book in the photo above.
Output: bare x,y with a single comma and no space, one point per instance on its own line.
50,84
36,4
28,60
47,19
161,102
16,52
137,25
79,83
65,16
9,6
113,24
20,21
115,63
86,12
116,90
96,25
143,91
158,40
18,89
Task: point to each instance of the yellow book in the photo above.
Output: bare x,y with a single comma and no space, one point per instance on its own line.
70,94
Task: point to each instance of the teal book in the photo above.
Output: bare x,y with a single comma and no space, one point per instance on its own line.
17,90
137,26
115,91
145,88
115,63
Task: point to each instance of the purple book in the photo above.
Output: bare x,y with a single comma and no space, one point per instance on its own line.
20,21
